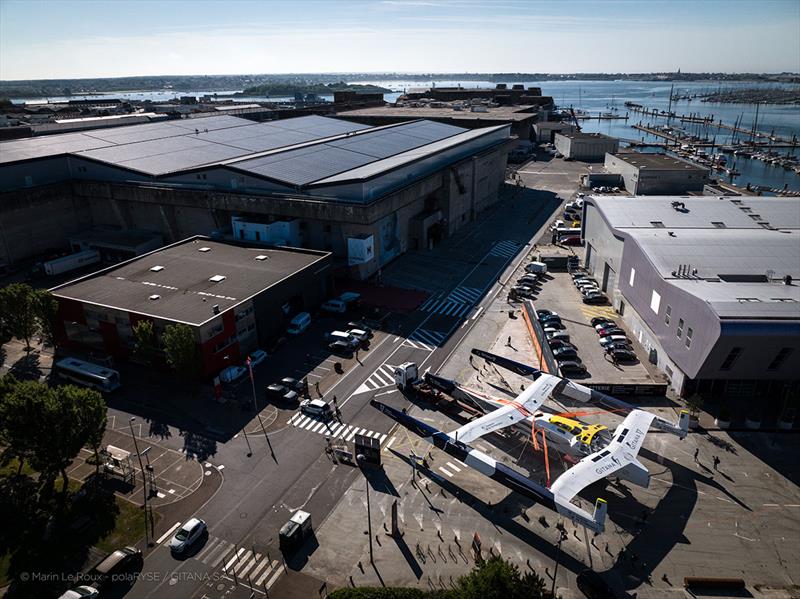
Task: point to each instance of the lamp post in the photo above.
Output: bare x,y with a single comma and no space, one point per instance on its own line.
144,478
360,460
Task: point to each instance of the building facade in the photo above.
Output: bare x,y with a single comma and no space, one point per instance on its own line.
702,283
407,185
657,174
585,146
234,298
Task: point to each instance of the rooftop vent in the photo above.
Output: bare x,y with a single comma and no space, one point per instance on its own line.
261,257
719,225
215,308
154,297
204,249
657,224
217,278
157,269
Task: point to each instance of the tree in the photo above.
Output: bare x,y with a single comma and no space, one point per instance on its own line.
71,416
496,578
46,309
181,350
145,342
18,307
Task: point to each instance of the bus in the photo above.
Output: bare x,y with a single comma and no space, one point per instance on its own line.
87,374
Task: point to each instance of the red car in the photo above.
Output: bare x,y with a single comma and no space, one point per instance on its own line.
571,240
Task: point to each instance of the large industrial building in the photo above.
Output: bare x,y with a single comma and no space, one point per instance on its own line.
364,193
657,174
234,297
707,285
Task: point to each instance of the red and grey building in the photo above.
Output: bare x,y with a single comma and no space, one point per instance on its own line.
234,297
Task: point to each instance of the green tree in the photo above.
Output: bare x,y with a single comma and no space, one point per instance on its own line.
181,350
496,578
145,342
71,416
18,306
46,310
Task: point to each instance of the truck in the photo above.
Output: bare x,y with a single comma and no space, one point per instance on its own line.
71,262
407,378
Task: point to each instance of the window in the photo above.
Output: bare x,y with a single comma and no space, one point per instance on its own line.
778,361
732,356
718,224
241,233
679,332
655,301
689,332
667,315
633,276
784,299
748,299
657,224
258,235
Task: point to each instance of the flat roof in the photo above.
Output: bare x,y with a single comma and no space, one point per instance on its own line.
699,212
582,135
505,113
661,162
183,285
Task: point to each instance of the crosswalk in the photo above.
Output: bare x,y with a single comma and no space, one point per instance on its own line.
425,339
332,429
382,377
465,294
505,249
590,311
446,307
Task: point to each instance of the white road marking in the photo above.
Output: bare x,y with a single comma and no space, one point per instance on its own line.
477,313
275,577
266,572
225,546
235,558
446,471
168,533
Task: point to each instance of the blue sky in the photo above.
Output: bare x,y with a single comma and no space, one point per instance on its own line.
65,38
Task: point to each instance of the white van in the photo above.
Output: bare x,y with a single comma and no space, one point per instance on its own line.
536,267
342,336
335,305
299,323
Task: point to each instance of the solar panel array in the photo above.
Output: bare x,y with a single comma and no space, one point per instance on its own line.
171,146
305,165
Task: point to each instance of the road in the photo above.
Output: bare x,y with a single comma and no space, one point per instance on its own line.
289,469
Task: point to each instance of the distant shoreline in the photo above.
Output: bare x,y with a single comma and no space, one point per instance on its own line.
321,83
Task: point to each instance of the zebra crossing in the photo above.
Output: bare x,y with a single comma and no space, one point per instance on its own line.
504,249
382,377
465,295
425,339
332,429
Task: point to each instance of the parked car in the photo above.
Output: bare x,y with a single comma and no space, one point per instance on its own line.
115,563
345,337
232,373
552,326
81,592
351,298
570,240
600,319
529,280
571,367
187,535
606,341
618,345
341,348
623,355
593,586
595,298
523,291
299,323
557,335
538,268
336,306
605,324
316,407
293,384
565,353
541,313
558,343
278,391
361,327
549,318
257,357
361,335
611,331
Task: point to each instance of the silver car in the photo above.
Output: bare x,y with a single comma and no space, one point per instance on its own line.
192,530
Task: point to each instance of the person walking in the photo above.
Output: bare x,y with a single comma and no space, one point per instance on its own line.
508,343
316,386
696,453
716,463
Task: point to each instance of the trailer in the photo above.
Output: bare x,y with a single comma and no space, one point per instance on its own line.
71,262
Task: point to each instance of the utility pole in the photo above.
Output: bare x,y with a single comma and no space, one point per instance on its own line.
144,479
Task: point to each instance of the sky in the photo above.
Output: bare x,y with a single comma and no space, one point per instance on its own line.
73,39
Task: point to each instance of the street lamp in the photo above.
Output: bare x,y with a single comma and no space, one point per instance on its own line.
144,478
360,461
